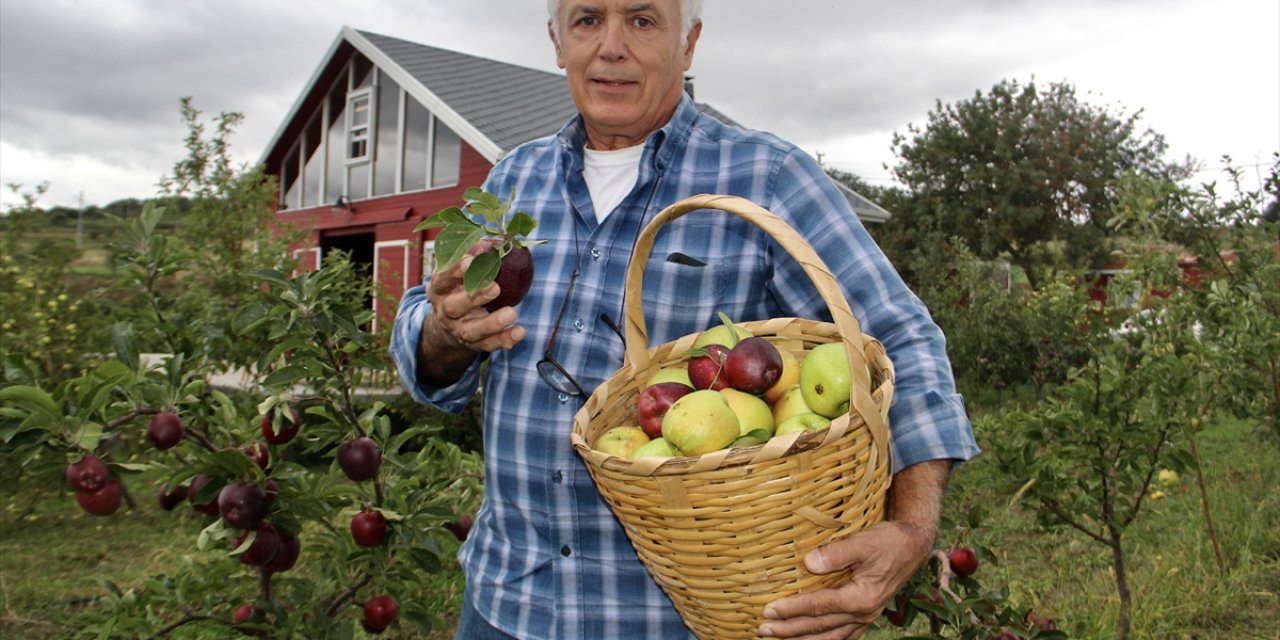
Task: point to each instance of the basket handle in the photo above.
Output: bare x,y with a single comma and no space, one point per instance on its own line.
637,338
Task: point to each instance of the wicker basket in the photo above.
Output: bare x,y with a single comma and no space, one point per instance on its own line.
725,533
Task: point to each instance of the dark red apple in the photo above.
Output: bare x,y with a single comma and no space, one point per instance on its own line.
380,612
706,371
359,458
753,365
653,402
897,616
242,504
461,527
207,504
257,452
171,498
1040,622
287,556
271,489
263,548
288,429
515,275
242,614
103,502
88,475
165,430
964,562
369,528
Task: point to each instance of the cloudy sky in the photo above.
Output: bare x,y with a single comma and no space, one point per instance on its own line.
89,89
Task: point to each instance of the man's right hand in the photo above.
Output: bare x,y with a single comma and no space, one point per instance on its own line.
458,326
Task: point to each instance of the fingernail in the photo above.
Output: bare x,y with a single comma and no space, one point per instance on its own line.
506,315
770,613
765,631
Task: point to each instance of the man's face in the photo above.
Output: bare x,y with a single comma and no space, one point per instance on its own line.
625,61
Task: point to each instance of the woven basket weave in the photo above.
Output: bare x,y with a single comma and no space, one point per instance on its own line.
725,533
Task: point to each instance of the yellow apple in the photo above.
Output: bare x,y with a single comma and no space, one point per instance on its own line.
621,440
1167,477
669,374
700,422
655,448
790,377
752,411
719,334
802,422
791,403
825,379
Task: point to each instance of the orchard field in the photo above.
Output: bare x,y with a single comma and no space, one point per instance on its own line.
1129,485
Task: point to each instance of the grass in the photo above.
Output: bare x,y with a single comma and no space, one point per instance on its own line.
52,557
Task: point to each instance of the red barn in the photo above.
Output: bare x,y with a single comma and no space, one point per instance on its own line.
387,132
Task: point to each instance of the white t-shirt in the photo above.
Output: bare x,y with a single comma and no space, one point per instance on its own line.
610,175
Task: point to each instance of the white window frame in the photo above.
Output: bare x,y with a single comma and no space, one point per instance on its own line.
365,133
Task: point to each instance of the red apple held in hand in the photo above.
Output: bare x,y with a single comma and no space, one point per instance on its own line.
706,370
165,430
753,365
263,548
380,612
104,501
515,275
288,429
653,402
286,556
964,562
369,528
207,504
359,458
171,498
88,475
242,504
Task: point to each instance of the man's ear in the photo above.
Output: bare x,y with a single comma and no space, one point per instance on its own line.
691,43
555,41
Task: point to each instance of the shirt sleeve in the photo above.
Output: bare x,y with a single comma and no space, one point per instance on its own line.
928,420
404,352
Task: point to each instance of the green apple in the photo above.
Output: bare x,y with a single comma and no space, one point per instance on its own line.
749,440
669,374
621,441
790,404
825,379
802,422
1167,477
655,448
752,411
700,422
719,334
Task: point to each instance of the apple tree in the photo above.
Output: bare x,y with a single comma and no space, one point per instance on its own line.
310,511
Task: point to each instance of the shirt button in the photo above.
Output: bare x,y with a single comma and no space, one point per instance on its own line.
563,398
595,252
579,324
565,551
557,477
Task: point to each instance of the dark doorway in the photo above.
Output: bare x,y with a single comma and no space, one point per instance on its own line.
359,250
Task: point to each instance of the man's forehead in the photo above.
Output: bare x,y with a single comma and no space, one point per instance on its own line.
600,6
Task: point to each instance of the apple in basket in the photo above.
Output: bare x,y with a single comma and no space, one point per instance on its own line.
825,378
700,422
654,401
621,440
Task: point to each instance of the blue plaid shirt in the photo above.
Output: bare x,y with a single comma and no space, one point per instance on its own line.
546,558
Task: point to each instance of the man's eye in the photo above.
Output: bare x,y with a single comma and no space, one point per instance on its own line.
644,23
586,21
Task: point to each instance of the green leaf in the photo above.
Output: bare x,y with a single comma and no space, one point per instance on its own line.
284,376
122,341
87,436
33,398
445,218
453,244
521,224
270,275
482,272
249,317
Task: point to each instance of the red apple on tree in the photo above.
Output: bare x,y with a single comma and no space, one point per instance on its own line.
242,504
359,458
964,562
286,556
258,453
288,429
379,613
461,527
263,548
88,475
171,498
243,613
165,430
104,501
369,528
207,503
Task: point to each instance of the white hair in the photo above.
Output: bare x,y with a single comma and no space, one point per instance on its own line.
690,14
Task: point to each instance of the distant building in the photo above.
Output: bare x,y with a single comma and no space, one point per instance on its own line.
386,132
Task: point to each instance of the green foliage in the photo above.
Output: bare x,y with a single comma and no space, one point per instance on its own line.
1020,173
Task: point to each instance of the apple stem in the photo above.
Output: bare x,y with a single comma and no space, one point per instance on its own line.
124,419
347,596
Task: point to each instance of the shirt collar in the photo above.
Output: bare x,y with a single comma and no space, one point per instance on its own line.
661,144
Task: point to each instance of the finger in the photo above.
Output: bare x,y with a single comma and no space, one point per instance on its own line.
851,601
829,627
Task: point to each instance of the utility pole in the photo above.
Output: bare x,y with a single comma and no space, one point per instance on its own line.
80,223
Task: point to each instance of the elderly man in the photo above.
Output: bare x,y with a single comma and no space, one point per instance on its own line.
546,558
